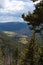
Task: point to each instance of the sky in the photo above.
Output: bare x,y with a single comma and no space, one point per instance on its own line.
12,10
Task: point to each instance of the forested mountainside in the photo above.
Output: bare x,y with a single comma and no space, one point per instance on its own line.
12,39
8,45
13,47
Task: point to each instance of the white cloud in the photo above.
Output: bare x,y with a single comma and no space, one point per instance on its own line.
2,3
10,19
14,7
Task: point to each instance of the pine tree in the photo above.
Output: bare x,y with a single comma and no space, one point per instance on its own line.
41,56
32,53
34,19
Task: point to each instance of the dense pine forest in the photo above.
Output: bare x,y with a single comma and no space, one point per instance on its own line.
18,50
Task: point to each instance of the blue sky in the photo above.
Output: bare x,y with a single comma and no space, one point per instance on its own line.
11,10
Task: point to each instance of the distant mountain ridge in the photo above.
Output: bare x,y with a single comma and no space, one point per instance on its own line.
12,26
19,27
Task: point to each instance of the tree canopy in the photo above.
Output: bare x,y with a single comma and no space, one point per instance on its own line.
36,18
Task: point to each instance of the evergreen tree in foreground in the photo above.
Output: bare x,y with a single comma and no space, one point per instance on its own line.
32,53
41,56
34,19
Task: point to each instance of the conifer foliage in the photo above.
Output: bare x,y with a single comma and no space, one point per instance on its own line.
35,19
